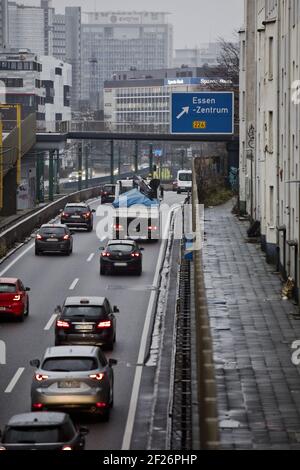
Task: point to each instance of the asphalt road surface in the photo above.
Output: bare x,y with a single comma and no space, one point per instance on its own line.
52,278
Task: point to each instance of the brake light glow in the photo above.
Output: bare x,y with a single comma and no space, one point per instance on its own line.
87,215
16,298
67,448
135,255
98,377
118,227
152,227
37,406
62,324
65,214
105,253
104,324
67,237
2,448
101,405
39,237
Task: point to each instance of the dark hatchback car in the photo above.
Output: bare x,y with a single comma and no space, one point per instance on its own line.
42,431
121,255
78,215
108,193
86,321
54,238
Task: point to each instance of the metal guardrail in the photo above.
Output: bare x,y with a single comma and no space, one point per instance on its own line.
21,230
207,392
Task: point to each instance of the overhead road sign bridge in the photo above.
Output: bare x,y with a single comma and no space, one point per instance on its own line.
202,113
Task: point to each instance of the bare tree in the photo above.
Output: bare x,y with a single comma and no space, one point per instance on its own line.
229,59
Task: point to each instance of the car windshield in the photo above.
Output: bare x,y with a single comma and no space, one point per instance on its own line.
53,231
8,288
110,189
185,177
69,364
83,311
32,435
119,247
70,210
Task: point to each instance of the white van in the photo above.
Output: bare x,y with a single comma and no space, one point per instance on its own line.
184,181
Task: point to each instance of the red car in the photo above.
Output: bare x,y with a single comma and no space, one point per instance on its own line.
14,300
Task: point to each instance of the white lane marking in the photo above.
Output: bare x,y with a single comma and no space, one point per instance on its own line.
139,368
90,257
74,284
15,260
50,322
14,380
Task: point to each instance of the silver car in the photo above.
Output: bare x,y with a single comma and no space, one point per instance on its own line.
73,377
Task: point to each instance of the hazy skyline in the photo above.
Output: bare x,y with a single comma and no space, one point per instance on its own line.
195,21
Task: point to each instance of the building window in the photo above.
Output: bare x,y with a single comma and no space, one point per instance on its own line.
58,71
271,133
271,57
272,206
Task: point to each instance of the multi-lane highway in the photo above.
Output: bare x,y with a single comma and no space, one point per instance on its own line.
53,278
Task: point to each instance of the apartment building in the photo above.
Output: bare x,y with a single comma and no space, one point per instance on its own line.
270,127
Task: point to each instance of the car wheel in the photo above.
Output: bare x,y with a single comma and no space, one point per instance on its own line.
37,252
20,319
139,271
105,415
102,271
57,343
90,228
110,346
26,311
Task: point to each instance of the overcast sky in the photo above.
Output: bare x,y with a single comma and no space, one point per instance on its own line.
194,21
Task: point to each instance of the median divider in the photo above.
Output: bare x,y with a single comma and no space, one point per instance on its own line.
23,229
207,391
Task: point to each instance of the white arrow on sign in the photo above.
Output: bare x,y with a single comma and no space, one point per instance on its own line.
185,110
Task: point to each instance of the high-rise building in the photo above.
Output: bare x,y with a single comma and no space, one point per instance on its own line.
121,41
31,27
67,46
205,54
59,36
3,23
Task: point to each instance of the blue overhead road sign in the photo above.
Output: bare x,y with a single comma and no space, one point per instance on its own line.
202,113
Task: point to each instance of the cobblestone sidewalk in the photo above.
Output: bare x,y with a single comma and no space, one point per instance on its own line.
253,330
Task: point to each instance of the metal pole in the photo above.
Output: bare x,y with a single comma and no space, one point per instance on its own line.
86,165
151,158
57,172
136,157
182,159
1,165
19,128
80,167
119,161
112,163
51,175
40,190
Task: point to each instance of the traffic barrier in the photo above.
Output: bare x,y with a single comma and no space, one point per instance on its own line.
207,391
23,229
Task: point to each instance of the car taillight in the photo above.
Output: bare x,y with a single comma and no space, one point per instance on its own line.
105,253
39,237
40,378
67,237
64,214
16,298
152,227
101,404
2,448
105,193
67,448
98,377
135,255
118,227
87,214
104,324
37,406
62,324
